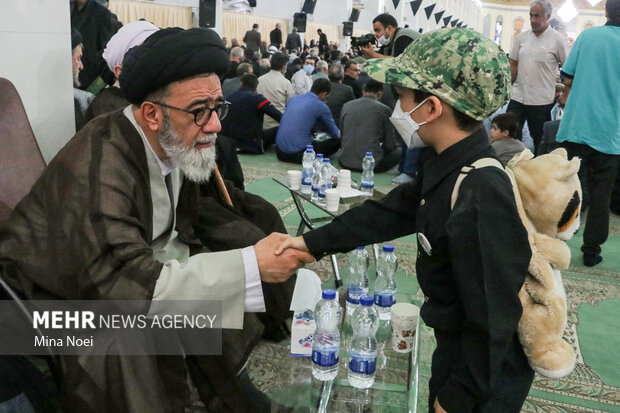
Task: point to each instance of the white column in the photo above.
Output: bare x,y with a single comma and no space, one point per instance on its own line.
35,45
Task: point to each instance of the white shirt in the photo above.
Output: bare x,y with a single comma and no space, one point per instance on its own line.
302,83
181,274
537,72
275,87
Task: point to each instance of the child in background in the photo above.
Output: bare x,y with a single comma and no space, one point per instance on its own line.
503,135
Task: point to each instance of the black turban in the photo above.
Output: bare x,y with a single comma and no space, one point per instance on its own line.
171,55
76,38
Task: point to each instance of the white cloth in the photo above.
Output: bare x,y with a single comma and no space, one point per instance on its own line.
130,35
185,277
275,87
302,83
538,60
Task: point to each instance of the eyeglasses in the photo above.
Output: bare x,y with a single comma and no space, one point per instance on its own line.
202,115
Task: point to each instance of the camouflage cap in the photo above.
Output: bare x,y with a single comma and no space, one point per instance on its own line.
460,66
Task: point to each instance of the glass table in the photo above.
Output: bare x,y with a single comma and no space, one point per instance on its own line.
311,223
395,389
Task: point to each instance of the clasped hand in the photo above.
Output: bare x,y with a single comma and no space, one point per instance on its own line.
279,256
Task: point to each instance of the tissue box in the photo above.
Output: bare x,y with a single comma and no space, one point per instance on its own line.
302,331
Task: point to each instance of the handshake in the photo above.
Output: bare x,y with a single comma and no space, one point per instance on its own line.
280,255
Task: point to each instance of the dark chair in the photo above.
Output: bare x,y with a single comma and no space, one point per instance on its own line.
21,164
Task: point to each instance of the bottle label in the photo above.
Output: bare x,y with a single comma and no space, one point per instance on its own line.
362,363
321,192
384,299
306,177
367,185
325,357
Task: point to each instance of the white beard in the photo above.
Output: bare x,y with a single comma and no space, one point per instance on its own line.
197,165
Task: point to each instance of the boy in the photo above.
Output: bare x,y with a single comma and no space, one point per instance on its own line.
503,137
472,259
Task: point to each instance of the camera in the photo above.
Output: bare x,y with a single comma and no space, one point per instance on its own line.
358,42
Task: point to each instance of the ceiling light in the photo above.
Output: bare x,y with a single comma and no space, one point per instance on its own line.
594,2
568,11
238,6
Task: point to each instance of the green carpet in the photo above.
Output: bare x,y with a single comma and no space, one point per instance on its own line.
593,296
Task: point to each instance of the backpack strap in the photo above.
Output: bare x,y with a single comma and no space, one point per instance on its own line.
480,163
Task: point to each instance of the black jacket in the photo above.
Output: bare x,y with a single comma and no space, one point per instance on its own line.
339,95
474,270
275,37
244,122
97,25
355,85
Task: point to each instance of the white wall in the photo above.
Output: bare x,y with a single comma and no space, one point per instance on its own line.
334,12
35,50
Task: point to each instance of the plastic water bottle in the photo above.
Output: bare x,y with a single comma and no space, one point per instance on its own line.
335,175
326,341
307,172
316,176
385,285
363,353
325,182
368,174
326,172
358,261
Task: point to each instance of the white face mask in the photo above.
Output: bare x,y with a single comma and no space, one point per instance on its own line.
407,127
383,40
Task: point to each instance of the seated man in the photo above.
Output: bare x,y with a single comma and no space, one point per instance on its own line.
81,98
230,86
302,115
244,122
339,94
365,127
302,79
112,218
351,76
111,98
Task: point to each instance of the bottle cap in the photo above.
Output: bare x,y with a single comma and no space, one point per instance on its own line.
329,294
308,150
326,160
360,248
366,300
319,155
308,147
368,153
388,248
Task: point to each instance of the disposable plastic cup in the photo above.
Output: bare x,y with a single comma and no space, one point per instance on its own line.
332,199
404,324
294,179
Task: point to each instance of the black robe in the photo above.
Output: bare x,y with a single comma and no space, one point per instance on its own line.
84,231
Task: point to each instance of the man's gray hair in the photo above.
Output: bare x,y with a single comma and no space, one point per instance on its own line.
264,63
236,52
335,73
314,52
243,68
546,5
322,66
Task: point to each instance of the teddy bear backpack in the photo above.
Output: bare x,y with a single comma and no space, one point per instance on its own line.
548,197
